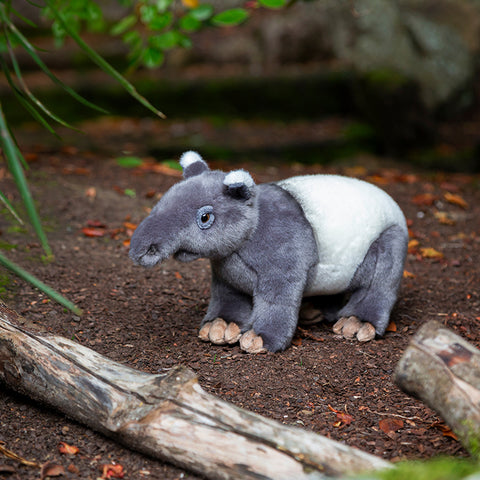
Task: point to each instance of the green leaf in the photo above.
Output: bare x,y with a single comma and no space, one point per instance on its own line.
147,13
152,57
202,12
129,162
229,18
123,25
162,5
189,23
165,41
161,21
273,3
106,67
129,192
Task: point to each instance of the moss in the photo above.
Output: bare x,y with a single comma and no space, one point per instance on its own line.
442,468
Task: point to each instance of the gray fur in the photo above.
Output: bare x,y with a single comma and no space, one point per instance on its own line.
262,250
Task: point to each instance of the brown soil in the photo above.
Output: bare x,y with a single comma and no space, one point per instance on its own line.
149,319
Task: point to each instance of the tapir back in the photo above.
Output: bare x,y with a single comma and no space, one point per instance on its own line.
347,215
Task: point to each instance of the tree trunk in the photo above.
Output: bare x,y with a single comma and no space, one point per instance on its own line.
443,370
167,416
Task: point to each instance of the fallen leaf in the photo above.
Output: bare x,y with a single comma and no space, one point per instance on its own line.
407,274
378,180
345,418
95,224
67,449
51,470
178,275
424,199
392,327
445,429
455,200
444,218
112,471
94,232
130,225
388,425
297,341
430,252
413,245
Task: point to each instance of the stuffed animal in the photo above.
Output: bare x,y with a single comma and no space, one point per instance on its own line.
272,244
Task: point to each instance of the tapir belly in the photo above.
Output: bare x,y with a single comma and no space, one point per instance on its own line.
347,215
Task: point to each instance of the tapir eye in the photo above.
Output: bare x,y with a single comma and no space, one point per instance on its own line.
205,217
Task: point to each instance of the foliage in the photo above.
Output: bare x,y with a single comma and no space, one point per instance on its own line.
442,468
150,29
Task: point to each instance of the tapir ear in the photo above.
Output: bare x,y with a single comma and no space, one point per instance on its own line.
239,184
192,164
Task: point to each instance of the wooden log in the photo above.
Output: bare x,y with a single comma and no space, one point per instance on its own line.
166,416
443,370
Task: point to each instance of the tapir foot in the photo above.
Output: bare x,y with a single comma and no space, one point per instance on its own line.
351,327
250,342
220,332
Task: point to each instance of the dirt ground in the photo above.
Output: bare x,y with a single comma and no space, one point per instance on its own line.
149,319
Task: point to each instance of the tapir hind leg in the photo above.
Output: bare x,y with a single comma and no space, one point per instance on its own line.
374,287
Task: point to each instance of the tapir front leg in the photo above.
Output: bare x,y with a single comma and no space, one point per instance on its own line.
274,315
228,314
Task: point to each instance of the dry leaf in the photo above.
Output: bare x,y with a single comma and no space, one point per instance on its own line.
424,199
413,245
51,470
67,449
388,425
407,274
455,200
430,252
345,418
112,471
94,232
444,218
392,327
297,341
446,430
130,225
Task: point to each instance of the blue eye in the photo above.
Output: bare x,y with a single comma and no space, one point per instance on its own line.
205,217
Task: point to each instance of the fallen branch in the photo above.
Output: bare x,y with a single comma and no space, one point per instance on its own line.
166,416
443,370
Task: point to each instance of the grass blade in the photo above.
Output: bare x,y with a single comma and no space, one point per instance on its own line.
10,208
103,64
12,155
53,294
28,94
33,54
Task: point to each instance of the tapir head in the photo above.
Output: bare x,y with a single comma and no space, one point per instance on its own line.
209,214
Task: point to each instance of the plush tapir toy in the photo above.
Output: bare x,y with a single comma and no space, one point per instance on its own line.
272,244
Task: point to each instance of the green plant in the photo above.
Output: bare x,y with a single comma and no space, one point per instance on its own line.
150,29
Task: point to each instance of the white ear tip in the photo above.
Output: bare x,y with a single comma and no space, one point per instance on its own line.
190,157
239,176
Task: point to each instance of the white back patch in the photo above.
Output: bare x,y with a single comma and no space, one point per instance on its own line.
347,215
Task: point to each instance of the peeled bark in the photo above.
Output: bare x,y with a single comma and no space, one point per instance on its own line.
443,370
167,416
